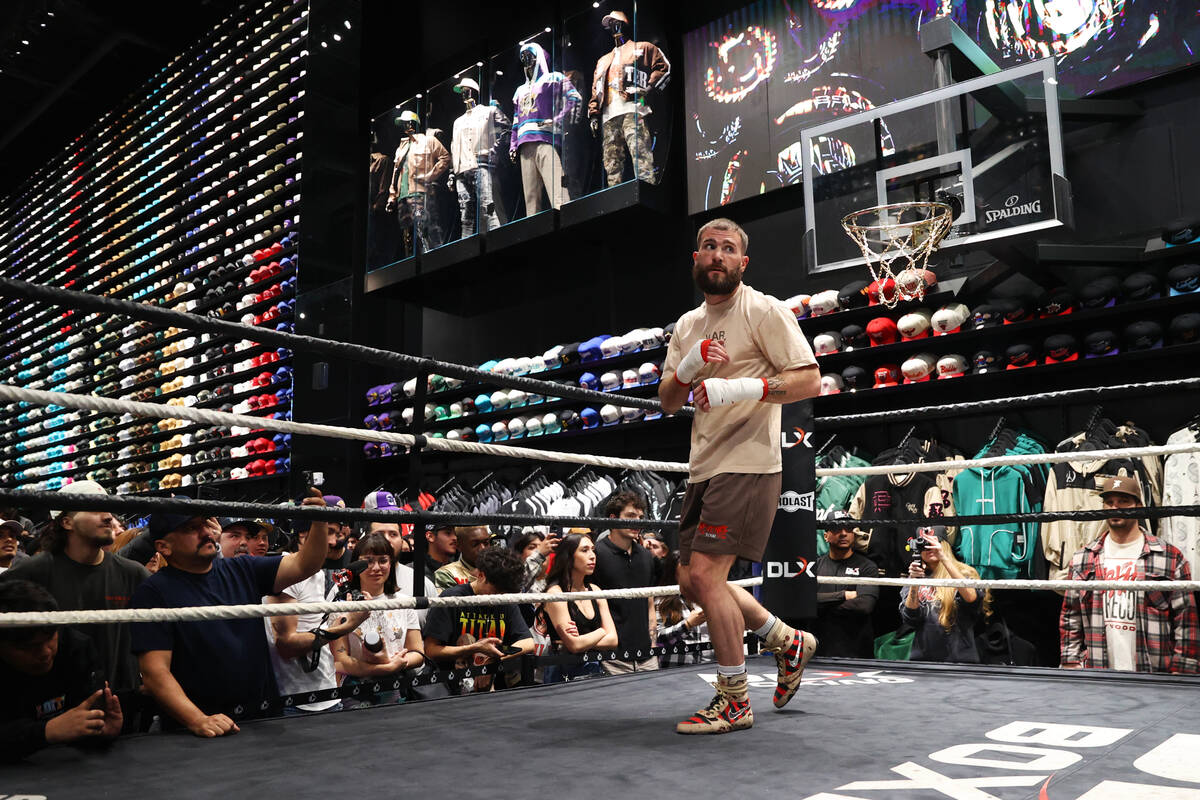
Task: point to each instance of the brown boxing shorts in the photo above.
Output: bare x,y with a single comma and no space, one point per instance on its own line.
729,514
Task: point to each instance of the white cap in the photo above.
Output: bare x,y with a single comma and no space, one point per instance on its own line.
951,366
499,431
648,373
610,382
516,428
499,399
517,398
533,426
825,302
523,365
549,419
827,343
609,415
505,366
629,379
80,487
631,342
914,325
649,339
407,415
410,387
630,413
453,434
949,318
831,384
610,347
919,368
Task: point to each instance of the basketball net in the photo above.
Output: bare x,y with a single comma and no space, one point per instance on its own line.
900,235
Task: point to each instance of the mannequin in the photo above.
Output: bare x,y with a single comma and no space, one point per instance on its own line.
420,162
541,104
473,149
380,173
618,110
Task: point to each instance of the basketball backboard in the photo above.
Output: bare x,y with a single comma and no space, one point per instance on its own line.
991,147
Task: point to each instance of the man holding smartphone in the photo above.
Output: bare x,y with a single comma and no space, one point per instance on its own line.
741,355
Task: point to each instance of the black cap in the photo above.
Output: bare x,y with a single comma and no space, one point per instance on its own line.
668,332
1143,335
569,354
1056,303
1015,309
1184,279
1061,347
1185,328
1017,356
855,378
1100,293
570,420
1181,230
984,361
1141,286
162,524
986,315
853,295
853,336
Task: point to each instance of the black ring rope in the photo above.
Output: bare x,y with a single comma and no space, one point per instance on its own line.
312,344
1088,515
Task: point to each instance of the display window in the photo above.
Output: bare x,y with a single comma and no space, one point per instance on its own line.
619,65
405,159
537,100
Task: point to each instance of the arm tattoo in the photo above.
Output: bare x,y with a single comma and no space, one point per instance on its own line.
776,387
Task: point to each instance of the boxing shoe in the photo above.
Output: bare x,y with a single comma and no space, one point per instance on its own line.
729,710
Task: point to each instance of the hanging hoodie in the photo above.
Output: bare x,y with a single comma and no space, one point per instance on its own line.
998,550
896,496
542,102
1181,487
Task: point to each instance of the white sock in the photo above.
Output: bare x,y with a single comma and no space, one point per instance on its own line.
731,672
766,628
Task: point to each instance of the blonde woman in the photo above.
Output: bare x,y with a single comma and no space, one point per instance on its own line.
943,617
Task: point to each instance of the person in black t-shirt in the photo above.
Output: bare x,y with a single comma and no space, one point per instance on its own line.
51,685
80,575
576,625
476,633
622,563
844,613
197,670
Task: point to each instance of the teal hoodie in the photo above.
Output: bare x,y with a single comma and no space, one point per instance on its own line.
997,551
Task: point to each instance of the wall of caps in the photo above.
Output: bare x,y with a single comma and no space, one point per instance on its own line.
187,197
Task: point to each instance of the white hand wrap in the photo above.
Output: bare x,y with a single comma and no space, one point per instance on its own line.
693,362
727,391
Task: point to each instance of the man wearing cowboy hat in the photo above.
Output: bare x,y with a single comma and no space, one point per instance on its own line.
1134,631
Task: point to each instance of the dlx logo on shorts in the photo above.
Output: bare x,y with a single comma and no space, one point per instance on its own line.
1013,207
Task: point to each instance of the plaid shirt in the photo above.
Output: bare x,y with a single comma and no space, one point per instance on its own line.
1168,633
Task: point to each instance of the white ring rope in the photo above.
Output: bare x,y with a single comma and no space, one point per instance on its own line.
1015,460
110,405
208,613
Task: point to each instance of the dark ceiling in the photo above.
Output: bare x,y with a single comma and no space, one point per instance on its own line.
63,63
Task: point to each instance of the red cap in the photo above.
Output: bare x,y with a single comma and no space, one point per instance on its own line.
887,375
885,287
882,330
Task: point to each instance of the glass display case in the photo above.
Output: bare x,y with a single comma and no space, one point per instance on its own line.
617,63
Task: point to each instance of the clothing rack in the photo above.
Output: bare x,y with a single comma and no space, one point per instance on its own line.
998,427
482,483
1097,412
907,436
825,446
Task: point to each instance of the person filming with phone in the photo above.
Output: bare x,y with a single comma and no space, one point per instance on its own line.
943,617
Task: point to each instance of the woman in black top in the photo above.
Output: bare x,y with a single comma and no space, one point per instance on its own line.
576,625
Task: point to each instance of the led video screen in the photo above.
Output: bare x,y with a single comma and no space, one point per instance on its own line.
757,77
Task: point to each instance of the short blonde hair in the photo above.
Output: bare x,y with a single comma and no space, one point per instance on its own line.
724,224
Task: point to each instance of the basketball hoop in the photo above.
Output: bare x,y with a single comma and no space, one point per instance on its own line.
906,233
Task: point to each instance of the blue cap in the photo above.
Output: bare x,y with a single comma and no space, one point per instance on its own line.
483,432
483,404
589,381
590,417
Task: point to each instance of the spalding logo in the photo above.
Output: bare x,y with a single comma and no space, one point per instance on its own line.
791,501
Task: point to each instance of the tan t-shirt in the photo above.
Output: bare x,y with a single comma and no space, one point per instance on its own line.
762,339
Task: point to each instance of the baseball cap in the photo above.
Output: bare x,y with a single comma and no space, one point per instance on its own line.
798,304
984,361
1100,343
853,336
831,384
986,315
1015,309
951,366
882,330
1019,356
1141,286
887,375
1056,303
825,302
1100,293
252,525
80,487
1143,335
919,368
853,294
949,318
381,500
15,527
1060,347
914,325
827,343
1119,484
1185,328
854,378
162,524
1184,279
1181,231
882,290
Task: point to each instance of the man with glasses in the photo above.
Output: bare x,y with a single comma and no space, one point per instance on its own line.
198,670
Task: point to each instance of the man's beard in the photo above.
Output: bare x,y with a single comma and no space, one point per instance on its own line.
725,284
